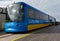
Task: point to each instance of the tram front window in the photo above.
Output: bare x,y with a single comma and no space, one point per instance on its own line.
15,12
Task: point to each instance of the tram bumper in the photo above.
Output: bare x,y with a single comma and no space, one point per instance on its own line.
15,27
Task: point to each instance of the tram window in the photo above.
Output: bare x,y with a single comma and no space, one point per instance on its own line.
30,13
15,13
34,14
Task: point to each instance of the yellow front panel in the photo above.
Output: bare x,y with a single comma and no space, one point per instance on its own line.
35,26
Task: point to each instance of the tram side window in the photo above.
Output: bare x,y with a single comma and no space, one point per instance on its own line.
32,16
36,16
30,13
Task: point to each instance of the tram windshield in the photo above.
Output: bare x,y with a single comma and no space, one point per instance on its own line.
15,12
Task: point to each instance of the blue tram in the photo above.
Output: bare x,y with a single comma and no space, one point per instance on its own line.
22,17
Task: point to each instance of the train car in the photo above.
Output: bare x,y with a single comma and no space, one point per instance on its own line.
22,17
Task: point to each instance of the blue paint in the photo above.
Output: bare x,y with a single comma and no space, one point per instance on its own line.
22,26
35,21
15,27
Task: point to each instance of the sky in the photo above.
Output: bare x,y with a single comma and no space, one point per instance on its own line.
50,7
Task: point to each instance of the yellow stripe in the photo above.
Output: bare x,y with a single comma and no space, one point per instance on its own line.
35,26
24,36
20,37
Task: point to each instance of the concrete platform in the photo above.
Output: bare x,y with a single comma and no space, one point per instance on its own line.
46,34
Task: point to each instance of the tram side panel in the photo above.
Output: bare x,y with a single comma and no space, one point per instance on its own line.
36,19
